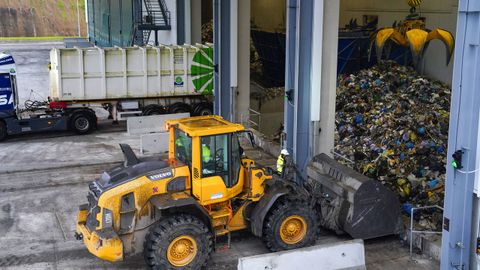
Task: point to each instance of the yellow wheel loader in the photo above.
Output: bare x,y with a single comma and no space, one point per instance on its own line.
173,210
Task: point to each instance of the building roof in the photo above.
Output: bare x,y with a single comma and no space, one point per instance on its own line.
205,125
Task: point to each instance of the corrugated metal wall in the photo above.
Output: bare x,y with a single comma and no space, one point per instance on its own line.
110,22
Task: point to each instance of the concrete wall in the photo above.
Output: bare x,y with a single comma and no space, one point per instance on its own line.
439,14
193,32
269,15
347,255
196,22
168,37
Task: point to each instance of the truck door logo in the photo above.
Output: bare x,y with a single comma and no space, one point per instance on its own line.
4,100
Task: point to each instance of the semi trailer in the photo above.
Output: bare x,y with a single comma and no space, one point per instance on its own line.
124,81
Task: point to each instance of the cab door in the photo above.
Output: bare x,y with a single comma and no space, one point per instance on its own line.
219,169
6,92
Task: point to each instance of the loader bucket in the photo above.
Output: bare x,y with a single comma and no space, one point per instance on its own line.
351,202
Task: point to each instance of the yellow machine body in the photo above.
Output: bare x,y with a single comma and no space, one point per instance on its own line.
134,197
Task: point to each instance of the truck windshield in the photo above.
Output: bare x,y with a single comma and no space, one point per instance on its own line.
183,147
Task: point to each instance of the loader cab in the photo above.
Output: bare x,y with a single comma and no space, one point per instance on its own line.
209,145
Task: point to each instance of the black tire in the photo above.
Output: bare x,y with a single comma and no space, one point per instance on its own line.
179,107
287,209
82,123
3,131
203,108
162,235
154,109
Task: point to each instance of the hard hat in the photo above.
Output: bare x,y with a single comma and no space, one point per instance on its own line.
284,152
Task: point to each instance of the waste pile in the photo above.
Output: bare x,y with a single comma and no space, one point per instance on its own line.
207,32
392,125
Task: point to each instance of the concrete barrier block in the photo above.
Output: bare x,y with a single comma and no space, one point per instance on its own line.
154,143
151,123
342,255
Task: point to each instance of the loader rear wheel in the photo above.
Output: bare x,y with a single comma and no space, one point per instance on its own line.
289,225
178,242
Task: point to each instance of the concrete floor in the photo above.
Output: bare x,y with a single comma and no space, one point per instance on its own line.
43,178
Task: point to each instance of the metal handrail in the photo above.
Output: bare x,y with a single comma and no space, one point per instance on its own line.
254,114
415,231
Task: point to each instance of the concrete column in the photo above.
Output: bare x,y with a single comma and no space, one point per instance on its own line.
232,58
181,15
188,21
323,130
196,21
243,91
290,73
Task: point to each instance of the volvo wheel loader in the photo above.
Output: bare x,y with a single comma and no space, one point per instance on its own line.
173,210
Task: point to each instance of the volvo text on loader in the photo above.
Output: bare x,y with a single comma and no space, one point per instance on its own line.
173,210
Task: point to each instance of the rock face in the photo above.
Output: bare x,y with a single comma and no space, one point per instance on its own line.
26,18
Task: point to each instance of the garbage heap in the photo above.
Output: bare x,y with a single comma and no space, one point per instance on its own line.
207,32
392,125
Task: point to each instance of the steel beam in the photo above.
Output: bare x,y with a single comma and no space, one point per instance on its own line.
297,80
221,38
458,240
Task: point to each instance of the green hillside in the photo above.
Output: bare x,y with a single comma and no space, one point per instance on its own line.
37,18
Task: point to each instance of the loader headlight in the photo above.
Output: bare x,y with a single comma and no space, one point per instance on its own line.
107,218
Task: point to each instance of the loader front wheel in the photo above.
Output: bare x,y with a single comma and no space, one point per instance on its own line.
290,225
178,242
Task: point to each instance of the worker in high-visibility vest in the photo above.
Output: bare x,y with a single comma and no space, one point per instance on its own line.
281,161
208,164
180,149
206,153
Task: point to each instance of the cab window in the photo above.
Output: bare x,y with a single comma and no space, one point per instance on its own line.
214,157
183,147
219,154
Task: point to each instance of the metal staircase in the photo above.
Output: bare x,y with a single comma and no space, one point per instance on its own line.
154,16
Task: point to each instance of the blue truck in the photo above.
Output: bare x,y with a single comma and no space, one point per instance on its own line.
39,116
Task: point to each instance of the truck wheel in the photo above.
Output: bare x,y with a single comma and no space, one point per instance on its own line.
179,107
181,241
82,123
203,108
154,109
3,131
289,225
